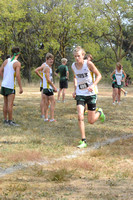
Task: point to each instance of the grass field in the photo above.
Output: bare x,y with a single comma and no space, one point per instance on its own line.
100,174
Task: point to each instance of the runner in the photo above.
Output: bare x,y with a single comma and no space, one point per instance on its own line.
10,70
85,91
64,76
48,86
118,81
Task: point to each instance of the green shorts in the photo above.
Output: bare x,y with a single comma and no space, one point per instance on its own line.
118,86
7,91
89,100
48,92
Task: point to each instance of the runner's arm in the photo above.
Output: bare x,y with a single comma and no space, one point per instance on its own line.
75,84
111,75
17,69
93,69
47,71
56,74
2,68
68,75
124,75
38,69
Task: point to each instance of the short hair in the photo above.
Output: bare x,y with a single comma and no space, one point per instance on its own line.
8,56
79,48
63,60
119,65
49,55
89,55
15,50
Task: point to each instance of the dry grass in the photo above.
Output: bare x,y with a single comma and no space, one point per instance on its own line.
102,174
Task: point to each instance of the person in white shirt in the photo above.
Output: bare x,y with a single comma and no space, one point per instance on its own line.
48,86
9,71
85,91
118,82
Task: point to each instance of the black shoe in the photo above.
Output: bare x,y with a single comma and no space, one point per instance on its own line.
5,122
11,123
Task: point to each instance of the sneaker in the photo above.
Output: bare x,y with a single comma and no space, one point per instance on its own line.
114,103
82,145
42,116
102,115
11,123
125,93
46,120
52,120
5,122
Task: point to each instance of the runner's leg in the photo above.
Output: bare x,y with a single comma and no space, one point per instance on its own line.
10,99
5,107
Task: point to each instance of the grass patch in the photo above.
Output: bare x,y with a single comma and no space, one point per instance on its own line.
102,174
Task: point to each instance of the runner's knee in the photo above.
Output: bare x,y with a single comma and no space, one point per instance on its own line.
80,117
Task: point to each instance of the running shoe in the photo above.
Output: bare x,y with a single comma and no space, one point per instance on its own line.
46,120
125,93
11,123
102,115
5,122
52,120
82,145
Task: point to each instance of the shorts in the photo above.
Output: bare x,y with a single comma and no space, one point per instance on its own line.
7,91
89,100
48,92
118,86
113,85
63,84
41,88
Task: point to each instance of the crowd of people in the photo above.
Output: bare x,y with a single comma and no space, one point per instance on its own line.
86,76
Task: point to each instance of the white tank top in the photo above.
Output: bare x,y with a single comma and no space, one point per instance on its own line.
9,75
46,85
118,76
85,78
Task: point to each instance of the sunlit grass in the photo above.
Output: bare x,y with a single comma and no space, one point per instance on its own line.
99,174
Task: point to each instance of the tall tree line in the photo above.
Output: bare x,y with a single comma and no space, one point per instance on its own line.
102,27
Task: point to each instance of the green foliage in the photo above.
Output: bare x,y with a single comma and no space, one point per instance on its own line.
102,28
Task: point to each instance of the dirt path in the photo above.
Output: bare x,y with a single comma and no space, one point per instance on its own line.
12,169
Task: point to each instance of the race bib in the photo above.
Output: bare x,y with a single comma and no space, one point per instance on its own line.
83,86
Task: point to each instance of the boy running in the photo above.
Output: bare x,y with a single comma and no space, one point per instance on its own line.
85,91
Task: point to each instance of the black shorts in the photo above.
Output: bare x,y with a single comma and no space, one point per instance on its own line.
48,92
89,100
118,86
113,85
7,91
63,84
41,88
